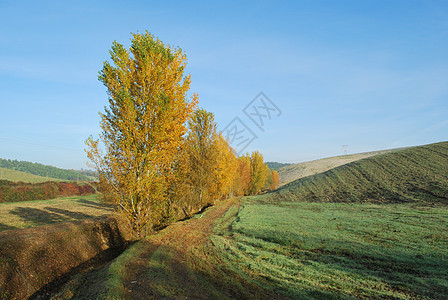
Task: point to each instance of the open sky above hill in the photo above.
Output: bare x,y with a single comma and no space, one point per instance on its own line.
368,74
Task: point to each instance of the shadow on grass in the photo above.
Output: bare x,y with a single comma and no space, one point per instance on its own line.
162,272
70,214
48,215
38,216
418,275
4,227
86,268
93,204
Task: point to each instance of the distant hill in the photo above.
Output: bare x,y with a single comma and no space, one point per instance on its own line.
276,165
42,170
417,174
293,172
17,176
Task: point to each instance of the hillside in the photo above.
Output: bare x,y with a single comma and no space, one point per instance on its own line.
413,174
42,170
18,176
293,172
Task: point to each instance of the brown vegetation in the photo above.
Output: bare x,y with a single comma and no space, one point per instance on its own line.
19,191
33,258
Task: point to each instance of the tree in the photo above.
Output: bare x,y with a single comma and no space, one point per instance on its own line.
202,155
260,172
226,167
243,175
142,128
275,180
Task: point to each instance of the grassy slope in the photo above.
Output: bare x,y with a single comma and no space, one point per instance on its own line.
293,172
338,250
18,176
327,250
413,174
42,212
280,244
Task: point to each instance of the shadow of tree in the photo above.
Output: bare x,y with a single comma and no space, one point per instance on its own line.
38,216
96,205
70,214
4,227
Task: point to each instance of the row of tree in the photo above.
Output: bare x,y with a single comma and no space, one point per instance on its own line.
208,168
163,158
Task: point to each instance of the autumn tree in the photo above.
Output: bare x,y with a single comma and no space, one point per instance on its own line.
274,180
226,167
260,172
202,155
142,127
243,176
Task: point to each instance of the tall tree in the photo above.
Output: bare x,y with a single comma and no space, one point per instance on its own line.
274,180
226,167
142,128
243,175
202,155
260,172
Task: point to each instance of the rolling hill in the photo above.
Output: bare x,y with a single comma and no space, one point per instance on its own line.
293,172
18,176
412,174
42,170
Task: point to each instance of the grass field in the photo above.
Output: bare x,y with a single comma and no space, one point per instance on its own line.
284,251
336,250
17,176
42,212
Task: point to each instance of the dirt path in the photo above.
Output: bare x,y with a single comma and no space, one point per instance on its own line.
176,263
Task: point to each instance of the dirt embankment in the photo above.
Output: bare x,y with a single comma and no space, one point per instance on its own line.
33,258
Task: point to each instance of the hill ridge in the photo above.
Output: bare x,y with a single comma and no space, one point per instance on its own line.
412,174
42,170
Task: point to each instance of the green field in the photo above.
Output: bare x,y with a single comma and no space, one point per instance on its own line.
373,228
43,212
17,176
328,250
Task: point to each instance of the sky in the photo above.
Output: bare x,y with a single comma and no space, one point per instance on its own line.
370,75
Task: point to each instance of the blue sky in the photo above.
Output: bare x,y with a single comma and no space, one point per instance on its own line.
367,74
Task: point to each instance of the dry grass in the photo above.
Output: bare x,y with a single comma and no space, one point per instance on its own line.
296,171
42,212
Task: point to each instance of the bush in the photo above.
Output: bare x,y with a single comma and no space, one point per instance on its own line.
19,191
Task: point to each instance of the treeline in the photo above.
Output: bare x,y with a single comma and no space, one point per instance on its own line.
163,158
276,165
207,168
42,170
19,191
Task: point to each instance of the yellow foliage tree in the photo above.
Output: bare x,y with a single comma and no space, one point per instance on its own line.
226,167
142,128
202,156
243,176
275,180
260,172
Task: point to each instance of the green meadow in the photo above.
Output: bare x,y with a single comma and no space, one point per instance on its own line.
338,250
